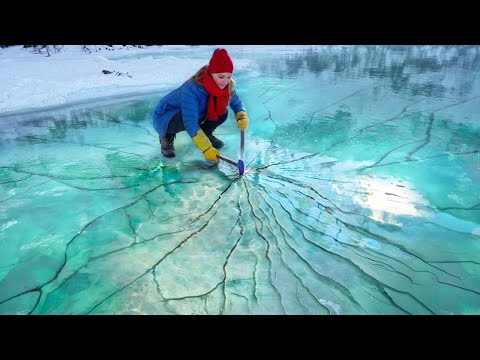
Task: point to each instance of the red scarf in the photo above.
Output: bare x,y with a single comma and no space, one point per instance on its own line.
217,100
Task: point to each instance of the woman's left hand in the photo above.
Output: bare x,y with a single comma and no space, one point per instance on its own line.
242,120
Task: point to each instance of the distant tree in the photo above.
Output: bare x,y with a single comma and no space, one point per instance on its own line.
39,49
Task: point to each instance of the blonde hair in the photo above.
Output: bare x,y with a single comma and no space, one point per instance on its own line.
204,71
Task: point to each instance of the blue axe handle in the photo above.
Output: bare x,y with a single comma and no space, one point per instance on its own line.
242,144
241,165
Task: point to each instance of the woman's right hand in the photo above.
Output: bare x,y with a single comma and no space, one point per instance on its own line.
205,145
211,154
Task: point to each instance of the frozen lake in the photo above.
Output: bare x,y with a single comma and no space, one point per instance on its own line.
361,195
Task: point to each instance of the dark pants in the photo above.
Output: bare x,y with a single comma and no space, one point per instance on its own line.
176,125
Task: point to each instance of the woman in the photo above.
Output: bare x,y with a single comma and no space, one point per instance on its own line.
199,106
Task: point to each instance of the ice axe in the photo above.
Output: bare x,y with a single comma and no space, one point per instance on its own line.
240,165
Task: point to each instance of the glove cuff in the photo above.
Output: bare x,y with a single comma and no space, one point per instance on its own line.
202,141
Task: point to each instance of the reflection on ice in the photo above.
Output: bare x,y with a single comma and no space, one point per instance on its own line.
388,200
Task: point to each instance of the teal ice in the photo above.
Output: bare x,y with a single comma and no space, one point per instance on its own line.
361,194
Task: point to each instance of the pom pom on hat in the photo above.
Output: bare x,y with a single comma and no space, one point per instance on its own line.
220,62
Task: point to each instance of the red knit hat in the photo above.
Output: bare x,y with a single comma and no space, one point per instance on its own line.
220,62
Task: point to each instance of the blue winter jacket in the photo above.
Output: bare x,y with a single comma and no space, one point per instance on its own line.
191,99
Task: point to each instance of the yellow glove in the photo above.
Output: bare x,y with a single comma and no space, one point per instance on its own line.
211,154
204,144
242,120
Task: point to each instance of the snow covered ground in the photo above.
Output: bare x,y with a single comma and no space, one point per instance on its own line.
30,80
